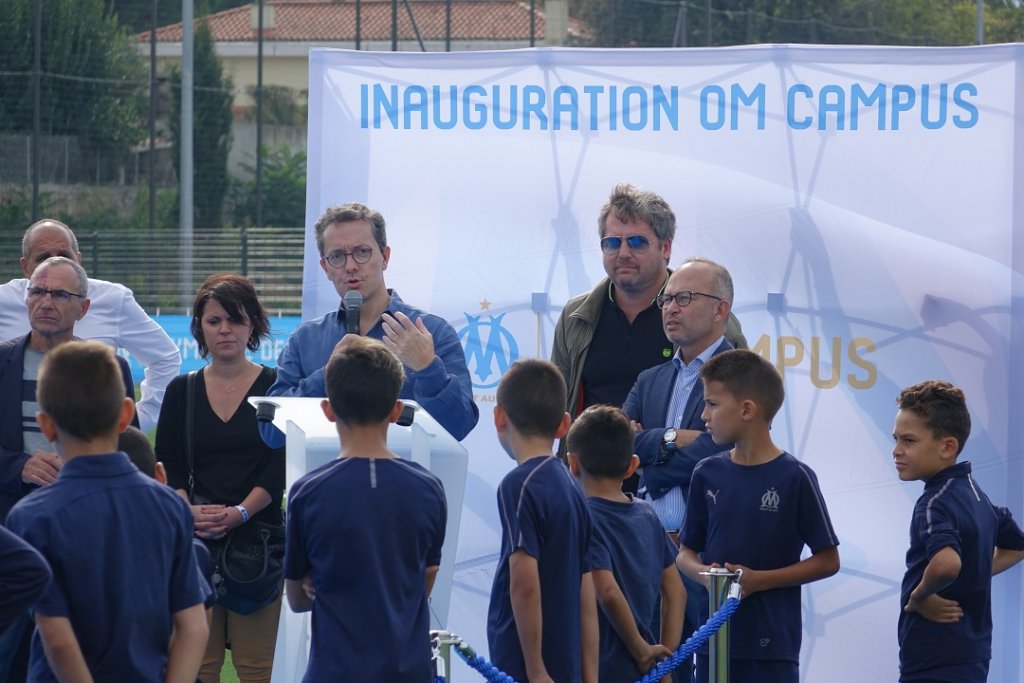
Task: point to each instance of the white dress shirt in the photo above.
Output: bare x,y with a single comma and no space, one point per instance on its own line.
114,318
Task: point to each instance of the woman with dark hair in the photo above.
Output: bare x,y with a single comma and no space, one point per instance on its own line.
231,476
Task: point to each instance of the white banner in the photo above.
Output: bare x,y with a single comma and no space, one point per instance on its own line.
862,198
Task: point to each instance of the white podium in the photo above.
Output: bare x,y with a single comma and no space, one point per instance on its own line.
312,441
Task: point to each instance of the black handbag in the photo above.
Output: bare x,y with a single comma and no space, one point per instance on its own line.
248,564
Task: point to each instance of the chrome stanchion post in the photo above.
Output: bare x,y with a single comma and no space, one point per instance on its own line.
719,582
441,643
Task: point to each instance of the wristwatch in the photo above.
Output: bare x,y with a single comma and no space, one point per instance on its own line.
668,441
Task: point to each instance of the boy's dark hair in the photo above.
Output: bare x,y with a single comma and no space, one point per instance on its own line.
942,406
746,375
237,295
603,441
81,387
362,380
133,442
532,394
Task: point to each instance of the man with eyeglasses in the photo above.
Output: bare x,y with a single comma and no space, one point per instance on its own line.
667,400
354,254
56,297
606,337
115,318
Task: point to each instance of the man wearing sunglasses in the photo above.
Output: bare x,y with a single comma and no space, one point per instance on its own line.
56,298
606,337
354,254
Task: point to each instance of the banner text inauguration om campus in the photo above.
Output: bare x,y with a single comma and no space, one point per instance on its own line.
725,106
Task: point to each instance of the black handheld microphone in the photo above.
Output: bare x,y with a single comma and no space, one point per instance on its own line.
353,303
265,411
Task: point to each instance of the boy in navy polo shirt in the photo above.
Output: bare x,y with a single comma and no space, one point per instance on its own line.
126,602
631,558
365,533
958,541
542,619
134,443
754,508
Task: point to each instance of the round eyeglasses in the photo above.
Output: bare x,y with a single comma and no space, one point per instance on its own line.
336,259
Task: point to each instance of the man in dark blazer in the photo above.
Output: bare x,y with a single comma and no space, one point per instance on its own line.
695,306
667,400
57,298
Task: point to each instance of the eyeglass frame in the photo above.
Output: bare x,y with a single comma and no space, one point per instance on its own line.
624,239
662,299
334,254
62,296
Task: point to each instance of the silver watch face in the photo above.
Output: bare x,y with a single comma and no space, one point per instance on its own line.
670,437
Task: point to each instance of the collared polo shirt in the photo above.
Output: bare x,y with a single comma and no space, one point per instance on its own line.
120,546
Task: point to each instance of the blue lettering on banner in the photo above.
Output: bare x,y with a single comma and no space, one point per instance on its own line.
958,99
719,107
931,106
178,328
521,106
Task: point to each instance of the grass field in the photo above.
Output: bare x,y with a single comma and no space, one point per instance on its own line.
227,674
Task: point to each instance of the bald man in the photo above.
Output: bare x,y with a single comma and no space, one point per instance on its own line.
115,318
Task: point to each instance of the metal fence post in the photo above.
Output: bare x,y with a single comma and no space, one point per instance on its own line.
94,270
245,251
533,22
719,580
441,643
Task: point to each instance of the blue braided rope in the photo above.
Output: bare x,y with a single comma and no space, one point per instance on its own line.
699,637
490,672
495,675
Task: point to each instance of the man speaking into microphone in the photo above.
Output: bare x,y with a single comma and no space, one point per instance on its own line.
354,254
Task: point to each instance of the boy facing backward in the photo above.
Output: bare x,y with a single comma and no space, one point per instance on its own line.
542,619
632,560
365,532
754,508
135,444
958,541
126,602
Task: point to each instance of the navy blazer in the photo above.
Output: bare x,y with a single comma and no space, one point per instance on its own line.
12,443
647,403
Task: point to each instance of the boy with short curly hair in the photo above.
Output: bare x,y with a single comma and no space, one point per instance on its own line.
958,541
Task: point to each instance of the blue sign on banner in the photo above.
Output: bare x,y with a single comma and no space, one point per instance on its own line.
178,329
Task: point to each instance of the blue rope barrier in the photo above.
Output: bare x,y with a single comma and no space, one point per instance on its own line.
495,675
699,637
490,672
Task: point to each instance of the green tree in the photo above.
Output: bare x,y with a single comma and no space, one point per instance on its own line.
284,190
213,92
93,83
652,23
281,105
